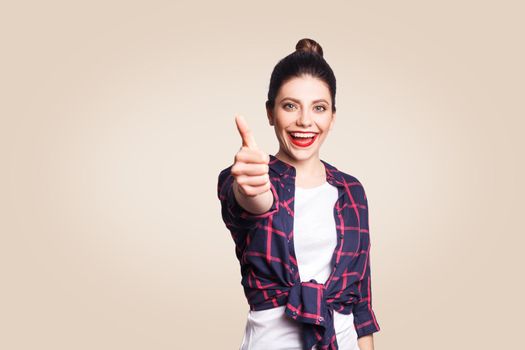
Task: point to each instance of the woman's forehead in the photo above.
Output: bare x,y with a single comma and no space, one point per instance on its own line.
304,89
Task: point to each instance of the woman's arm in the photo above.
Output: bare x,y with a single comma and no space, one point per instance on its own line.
254,204
251,167
366,342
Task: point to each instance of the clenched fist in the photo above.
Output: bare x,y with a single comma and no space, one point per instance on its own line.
250,168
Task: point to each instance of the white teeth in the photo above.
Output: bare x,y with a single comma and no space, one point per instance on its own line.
296,134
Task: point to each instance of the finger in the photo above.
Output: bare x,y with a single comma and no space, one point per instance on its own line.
248,155
246,134
253,191
251,169
256,180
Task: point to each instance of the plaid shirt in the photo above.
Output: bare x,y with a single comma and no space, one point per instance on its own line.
265,249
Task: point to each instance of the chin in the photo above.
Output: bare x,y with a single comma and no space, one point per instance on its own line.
302,155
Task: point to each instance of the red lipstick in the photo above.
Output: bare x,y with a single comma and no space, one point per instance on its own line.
303,141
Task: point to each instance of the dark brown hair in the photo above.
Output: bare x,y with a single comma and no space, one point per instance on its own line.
307,59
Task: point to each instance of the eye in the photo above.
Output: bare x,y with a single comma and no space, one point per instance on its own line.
288,104
321,110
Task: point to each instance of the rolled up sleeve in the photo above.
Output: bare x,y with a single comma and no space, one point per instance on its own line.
365,321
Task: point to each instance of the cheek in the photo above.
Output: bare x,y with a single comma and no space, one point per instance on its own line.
282,122
324,123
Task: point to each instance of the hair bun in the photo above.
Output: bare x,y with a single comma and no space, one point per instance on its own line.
309,45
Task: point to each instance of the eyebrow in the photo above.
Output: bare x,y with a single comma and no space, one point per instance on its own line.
296,100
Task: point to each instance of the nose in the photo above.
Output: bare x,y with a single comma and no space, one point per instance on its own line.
304,118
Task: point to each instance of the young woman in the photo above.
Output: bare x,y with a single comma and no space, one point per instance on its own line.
299,224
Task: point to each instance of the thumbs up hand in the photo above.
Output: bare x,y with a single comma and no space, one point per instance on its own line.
250,168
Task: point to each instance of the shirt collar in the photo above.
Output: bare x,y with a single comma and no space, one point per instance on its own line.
333,175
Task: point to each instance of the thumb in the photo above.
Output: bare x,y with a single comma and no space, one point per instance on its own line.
246,134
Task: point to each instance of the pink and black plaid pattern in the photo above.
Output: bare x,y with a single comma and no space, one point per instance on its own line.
265,249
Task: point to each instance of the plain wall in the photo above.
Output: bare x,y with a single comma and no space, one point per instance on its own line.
117,116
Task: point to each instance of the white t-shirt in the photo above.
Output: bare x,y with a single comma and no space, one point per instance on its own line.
315,239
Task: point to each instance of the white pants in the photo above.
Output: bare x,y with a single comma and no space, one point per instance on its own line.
271,329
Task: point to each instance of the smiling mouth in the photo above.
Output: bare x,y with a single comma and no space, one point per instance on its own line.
302,139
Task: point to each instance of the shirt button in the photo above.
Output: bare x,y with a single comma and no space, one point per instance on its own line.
321,318
294,313
341,236
288,189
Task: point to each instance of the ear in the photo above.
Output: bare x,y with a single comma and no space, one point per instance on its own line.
332,122
269,114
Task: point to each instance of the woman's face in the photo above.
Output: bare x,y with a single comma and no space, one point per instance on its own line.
302,105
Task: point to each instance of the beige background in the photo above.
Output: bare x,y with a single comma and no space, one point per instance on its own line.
117,116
